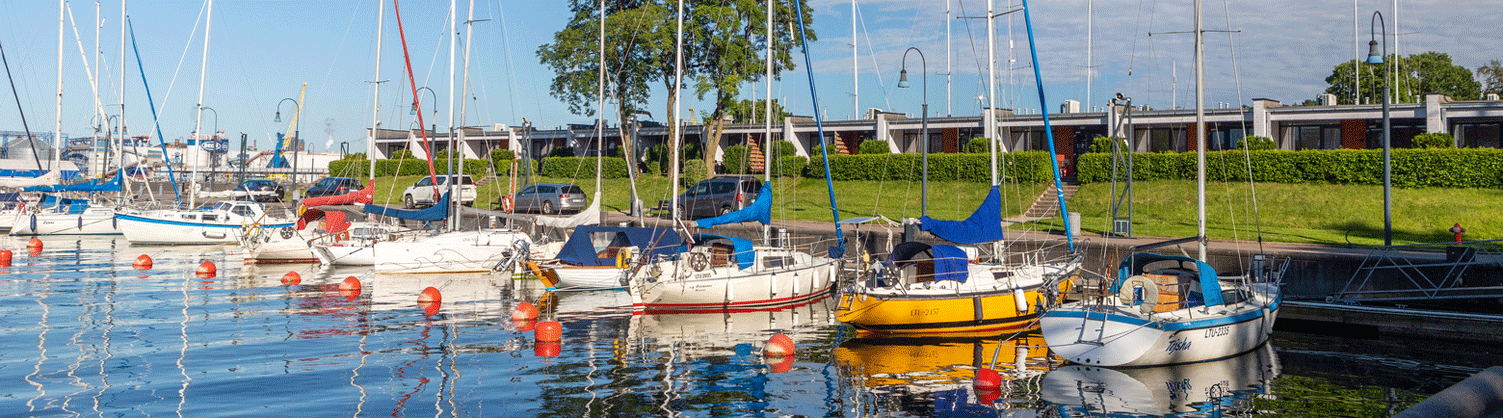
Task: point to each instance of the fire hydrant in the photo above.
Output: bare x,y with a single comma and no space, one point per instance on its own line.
1458,230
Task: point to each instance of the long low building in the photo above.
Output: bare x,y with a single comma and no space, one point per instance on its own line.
1473,123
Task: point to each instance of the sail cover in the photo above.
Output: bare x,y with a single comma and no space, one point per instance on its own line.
48,178
984,225
358,196
760,211
436,212
581,249
950,262
91,186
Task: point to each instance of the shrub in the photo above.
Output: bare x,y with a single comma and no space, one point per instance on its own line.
349,168
657,159
354,156
791,166
401,154
1434,140
1023,167
872,147
976,145
581,167
1101,144
1257,143
694,172
783,149
736,160
1480,168
561,152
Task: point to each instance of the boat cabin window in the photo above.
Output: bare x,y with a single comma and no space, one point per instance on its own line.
210,217
190,216
777,261
721,254
608,242
1001,274
243,210
222,206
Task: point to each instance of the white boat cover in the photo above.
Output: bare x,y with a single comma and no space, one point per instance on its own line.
47,179
589,216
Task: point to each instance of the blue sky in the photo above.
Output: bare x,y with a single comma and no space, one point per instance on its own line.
261,51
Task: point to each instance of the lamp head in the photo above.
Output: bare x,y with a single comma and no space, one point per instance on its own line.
278,118
412,110
1373,56
903,79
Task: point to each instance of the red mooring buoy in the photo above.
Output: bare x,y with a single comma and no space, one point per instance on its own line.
143,262
35,245
5,258
524,325
548,331
292,278
547,349
987,379
430,295
778,346
206,269
524,312
350,287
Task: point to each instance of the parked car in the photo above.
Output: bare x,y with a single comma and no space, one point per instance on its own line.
550,198
426,192
263,185
719,196
334,186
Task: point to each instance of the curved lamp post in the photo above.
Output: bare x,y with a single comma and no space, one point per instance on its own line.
295,134
1374,58
924,140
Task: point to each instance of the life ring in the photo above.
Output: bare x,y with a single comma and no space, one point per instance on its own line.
342,236
1127,292
506,204
623,258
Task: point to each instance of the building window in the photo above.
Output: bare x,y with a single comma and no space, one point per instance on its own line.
1166,140
1480,135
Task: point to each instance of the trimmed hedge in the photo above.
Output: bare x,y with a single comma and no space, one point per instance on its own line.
736,160
1466,167
873,147
405,167
581,167
1024,167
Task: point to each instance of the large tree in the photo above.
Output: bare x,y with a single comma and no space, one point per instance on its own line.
1427,72
1492,77
724,43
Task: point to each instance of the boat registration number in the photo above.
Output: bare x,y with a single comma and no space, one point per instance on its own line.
1217,332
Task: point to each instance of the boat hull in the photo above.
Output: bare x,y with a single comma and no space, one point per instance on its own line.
677,287
587,278
93,221
150,229
346,255
1119,336
983,305
455,252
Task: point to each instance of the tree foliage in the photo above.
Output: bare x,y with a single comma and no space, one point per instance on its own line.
1421,73
1491,76
751,111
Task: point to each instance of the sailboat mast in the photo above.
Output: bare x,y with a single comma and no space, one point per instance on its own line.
1200,133
370,142
100,124
600,112
990,113
767,154
198,119
120,139
57,130
678,95
453,40
464,88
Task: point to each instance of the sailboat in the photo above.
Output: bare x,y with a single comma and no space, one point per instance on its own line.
924,288
1231,384
1171,309
721,273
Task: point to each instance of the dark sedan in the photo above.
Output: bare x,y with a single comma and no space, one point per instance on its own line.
259,187
333,186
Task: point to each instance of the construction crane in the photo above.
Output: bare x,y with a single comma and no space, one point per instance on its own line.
284,141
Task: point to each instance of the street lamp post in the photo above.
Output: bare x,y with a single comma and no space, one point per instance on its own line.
213,163
924,131
295,135
1375,59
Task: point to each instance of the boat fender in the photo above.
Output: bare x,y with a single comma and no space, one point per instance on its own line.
1139,291
1019,299
623,257
80,223
33,223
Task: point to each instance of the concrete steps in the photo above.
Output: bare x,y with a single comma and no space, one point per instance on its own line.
1047,204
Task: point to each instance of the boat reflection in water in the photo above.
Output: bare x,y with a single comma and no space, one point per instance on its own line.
892,374
1213,386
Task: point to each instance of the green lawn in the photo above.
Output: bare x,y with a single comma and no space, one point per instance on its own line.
1305,213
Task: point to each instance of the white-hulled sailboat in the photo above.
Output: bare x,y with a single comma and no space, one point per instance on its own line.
1170,309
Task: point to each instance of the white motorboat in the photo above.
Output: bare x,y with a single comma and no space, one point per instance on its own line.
1229,384
224,223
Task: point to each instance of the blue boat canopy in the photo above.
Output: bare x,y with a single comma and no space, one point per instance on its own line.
760,211
91,186
950,262
1210,284
984,225
742,248
438,211
587,245
69,206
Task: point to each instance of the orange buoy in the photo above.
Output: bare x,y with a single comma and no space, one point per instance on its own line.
429,308
430,295
548,331
987,379
547,348
987,396
524,325
778,346
783,365
350,288
292,278
4,258
35,244
143,262
525,311
206,269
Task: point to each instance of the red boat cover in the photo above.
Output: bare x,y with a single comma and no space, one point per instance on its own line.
351,198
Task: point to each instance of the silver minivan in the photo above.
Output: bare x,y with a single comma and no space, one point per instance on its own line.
719,196
550,198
